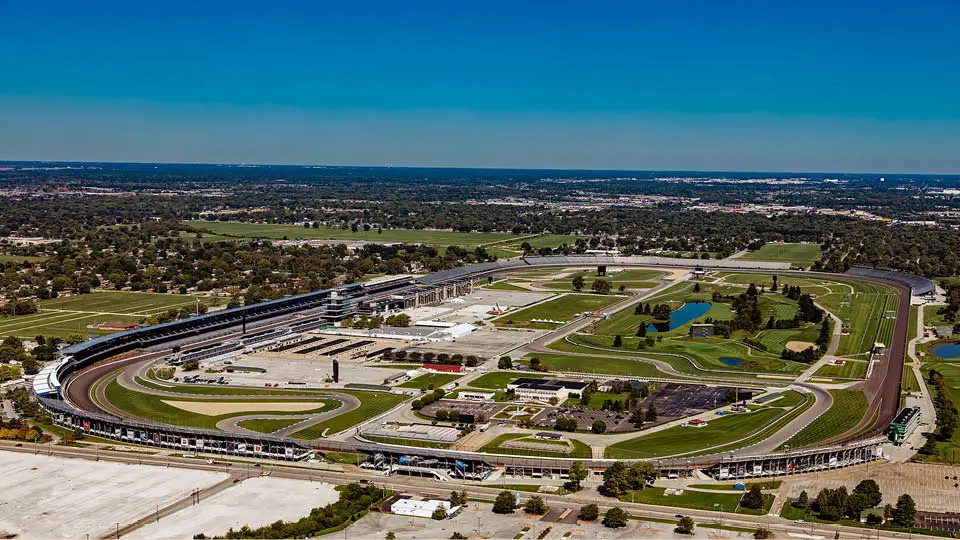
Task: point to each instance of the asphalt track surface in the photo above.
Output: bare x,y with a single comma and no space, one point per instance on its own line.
882,389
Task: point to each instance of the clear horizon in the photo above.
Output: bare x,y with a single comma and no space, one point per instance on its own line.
844,86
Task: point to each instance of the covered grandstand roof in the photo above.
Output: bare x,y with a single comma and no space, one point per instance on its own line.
918,285
574,260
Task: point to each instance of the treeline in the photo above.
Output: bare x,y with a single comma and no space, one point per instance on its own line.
835,504
355,500
947,416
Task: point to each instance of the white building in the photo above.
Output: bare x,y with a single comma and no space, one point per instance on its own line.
476,395
424,509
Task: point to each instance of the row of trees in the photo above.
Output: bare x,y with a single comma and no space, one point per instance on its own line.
834,504
947,417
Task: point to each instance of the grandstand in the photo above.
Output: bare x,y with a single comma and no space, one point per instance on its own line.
918,285
641,260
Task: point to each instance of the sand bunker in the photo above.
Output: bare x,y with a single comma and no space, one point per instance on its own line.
216,408
799,346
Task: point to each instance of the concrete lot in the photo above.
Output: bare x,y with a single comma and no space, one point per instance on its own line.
254,502
309,369
480,515
932,486
45,497
487,342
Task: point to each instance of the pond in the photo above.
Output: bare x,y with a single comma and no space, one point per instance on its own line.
731,361
687,312
946,350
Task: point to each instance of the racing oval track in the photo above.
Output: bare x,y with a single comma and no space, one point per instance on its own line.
882,389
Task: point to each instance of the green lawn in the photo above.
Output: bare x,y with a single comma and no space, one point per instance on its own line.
237,229
580,450
909,382
152,407
851,369
632,279
4,258
504,285
73,314
430,380
862,305
947,451
696,500
266,425
372,404
563,308
796,254
597,399
691,441
497,380
848,408
599,365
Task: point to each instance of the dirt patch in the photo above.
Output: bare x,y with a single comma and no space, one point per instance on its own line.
800,346
216,408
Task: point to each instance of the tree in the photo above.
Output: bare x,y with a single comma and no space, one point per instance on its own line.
870,491
505,362
440,512
803,500
391,536
617,341
638,418
752,499
598,427
577,474
762,533
457,536
615,517
601,286
642,330
458,498
905,513
696,286
616,479
191,365
578,283
685,525
641,474
589,512
536,506
75,339
504,503
651,413
30,366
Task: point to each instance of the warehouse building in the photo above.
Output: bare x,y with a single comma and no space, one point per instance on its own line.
546,389
422,508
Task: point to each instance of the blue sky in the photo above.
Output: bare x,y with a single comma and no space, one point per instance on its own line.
735,85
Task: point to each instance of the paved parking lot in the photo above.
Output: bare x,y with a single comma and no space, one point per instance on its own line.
680,400
934,487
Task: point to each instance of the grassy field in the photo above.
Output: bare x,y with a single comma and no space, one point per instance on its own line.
372,404
909,382
563,308
706,352
851,369
4,258
947,451
152,407
863,306
266,425
606,365
504,285
73,314
237,229
848,408
430,380
795,254
579,450
597,399
632,279
691,441
498,380
696,500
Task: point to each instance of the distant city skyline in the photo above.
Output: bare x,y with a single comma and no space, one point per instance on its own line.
841,86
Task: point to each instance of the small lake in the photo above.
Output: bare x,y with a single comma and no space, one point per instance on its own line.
687,312
946,350
731,361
